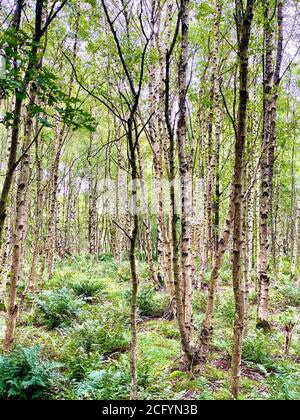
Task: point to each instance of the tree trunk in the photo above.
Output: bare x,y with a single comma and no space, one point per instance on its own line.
185,176
244,25
271,86
18,238
4,266
22,186
149,248
13,149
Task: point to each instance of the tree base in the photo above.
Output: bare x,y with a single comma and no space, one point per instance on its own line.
170,313
264,325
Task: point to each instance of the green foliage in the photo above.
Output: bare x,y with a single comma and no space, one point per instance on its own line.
143,271
284,384
204,10
258,348
49,91
169,330
109,313
62,277
124,272
290,294
105,385
226,263
106,258
94,348
108,268
82,267
226,311
226,276
252,297
88,289
49,341
69,108
57,308
199,301
13,80
150,303
287,267
78,363
113,382
24,375
74,116
103,337
288,316
207,276
103,331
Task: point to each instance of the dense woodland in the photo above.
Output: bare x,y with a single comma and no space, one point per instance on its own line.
149,199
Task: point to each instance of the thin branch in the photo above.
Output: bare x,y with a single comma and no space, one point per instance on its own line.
28,148
91,93
145,125
228,112
52,15
121,11
290,63
114,32
123,230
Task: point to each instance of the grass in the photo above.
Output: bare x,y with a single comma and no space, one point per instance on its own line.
92,349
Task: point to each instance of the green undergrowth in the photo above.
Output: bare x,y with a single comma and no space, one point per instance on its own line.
73,341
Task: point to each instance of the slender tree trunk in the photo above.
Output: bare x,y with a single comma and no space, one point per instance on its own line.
295,250
4,265
132,259
23,181
38,221
271,86
211,145
92,202
206,330
183,16
148,238
13,149
53,206
18,239
185,175
244,25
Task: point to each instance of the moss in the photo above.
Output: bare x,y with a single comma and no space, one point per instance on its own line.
214,374
177,374
223,395
247,384
157,352
167,329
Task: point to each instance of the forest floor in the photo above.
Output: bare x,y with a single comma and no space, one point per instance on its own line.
80,321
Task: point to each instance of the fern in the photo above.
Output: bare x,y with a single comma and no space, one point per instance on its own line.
24,375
